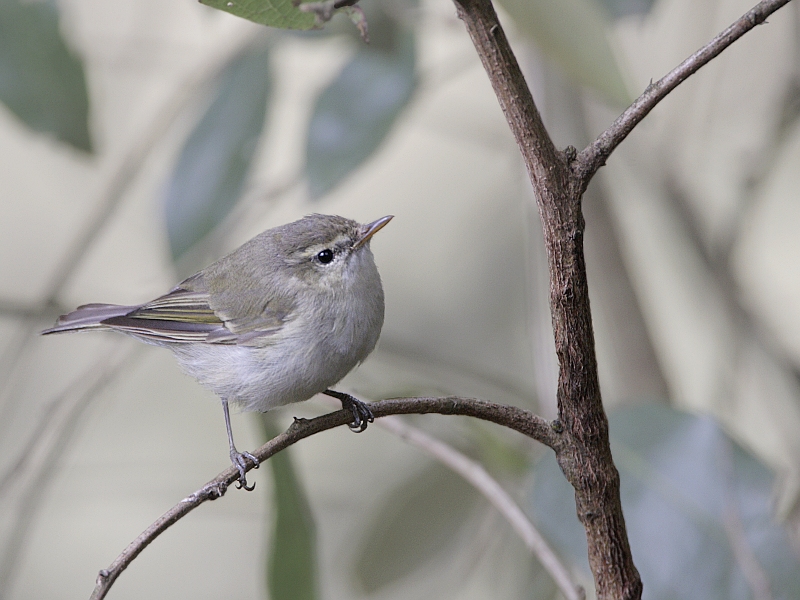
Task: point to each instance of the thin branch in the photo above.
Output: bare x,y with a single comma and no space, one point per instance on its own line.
515,418
595,155
480,479
518,419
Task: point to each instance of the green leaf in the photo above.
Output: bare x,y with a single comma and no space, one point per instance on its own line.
275,13
292,562
419,522
41,81
573,33
212,169
682,480
356,111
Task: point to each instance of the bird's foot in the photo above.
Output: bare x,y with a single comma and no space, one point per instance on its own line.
362,415
238,460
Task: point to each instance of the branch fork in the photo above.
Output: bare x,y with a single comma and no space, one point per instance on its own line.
559,179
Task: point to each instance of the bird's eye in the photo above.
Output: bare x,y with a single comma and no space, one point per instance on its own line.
325,256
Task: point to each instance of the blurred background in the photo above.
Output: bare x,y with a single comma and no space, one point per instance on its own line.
139,141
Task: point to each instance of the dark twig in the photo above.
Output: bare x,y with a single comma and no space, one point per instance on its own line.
515,418
595,155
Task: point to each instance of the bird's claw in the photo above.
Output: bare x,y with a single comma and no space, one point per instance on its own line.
238,460
362,415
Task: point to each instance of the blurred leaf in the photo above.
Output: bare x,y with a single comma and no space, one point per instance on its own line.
624,8
356,111
41,81
212,168
573,33
684,483
418,523
292,563
275,13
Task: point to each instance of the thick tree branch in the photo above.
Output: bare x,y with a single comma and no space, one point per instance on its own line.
515,99
585,455
559,180
509,416
595,155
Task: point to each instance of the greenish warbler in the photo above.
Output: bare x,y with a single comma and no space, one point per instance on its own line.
280,319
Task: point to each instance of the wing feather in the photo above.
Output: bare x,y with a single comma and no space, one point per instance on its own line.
163,331
179,305
186,316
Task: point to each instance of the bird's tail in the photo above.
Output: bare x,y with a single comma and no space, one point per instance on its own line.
88,316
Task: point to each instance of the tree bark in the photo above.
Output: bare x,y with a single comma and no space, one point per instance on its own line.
583,453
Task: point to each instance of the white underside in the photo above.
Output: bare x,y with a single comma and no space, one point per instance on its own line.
298,362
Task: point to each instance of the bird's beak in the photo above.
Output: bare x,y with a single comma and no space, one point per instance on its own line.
371,229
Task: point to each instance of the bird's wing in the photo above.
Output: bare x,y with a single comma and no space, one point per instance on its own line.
187,316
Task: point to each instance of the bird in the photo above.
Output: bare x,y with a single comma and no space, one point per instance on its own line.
280,319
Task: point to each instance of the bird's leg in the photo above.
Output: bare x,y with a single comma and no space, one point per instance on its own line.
362,415
237,458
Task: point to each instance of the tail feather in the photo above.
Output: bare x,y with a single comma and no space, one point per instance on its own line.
88,316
